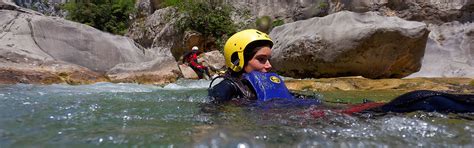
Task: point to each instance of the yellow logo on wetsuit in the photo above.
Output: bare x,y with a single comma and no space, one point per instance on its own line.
275,79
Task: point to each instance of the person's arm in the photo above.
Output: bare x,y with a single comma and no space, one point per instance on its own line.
194,63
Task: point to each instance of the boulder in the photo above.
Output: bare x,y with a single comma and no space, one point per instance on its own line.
188,72
69,44
214,60
17,67
161,70
449,51
349,44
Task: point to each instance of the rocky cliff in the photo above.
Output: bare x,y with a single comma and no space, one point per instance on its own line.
431,12
321,38
40,49
449,51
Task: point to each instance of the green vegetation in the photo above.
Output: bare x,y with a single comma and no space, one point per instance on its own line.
471,83
107,15
323,5
172,2
277,22
210,18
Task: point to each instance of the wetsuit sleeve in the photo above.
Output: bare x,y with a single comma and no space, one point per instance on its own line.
222,92
425,100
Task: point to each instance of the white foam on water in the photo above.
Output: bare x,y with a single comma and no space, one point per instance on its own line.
189,84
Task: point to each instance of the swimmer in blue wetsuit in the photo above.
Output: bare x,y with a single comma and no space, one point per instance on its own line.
248,80
245,51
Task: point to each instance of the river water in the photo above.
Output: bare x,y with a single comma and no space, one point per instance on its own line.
126,115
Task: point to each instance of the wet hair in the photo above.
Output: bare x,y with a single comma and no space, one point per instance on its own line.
249,51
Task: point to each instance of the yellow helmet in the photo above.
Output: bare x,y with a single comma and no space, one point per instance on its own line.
237,44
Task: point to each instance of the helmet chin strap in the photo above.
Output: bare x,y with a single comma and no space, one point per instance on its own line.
236,67
236,62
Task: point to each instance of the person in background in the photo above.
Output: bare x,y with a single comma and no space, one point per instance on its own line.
248,79
191,58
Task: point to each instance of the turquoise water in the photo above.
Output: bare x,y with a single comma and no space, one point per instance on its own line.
106,114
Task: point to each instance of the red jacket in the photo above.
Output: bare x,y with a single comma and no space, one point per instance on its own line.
191,58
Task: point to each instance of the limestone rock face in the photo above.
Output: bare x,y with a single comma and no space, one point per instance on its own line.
34,40
5,4
158,31
430,11
449,52
289,11
157,27
84,45
18,67
349,44
163,69
144,8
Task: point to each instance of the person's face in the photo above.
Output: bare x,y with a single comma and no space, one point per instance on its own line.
260,61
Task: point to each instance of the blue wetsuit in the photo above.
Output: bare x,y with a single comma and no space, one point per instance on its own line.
231,89
264,90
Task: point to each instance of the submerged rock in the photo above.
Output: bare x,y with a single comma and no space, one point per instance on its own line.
349,44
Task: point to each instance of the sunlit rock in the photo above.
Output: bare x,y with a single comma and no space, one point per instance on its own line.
164,69
188,72
449,51
157,27
349,44
214,60
430,11
159,31
458,85
43,39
